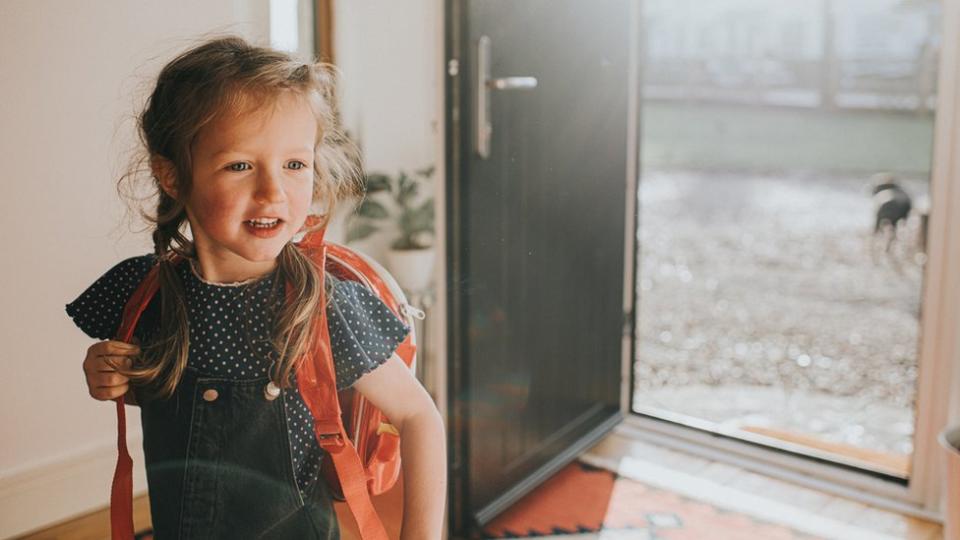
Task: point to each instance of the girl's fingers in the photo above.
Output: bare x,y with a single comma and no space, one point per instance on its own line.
110,380
103,381
122,361
104,393
109,348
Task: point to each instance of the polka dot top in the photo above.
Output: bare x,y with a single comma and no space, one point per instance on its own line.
230,327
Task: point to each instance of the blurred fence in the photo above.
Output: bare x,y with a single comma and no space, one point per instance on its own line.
856,54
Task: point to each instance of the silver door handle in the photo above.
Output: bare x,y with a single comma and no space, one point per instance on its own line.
513,83
484,85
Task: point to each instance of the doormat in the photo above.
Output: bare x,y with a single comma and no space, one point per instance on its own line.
582,498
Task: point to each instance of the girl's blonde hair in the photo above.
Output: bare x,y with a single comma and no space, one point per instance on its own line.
222,76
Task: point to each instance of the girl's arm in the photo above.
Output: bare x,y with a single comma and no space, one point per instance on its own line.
393,389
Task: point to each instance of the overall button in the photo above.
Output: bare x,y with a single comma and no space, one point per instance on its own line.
210,394
271,391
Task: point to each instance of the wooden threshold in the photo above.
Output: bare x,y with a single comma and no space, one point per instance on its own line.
893,464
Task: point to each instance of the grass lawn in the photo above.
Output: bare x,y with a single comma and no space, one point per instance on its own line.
733,137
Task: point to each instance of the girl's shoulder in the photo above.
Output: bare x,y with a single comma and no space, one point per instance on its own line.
97,311
355,302
364,332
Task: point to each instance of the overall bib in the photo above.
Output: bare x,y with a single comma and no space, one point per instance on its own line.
219,465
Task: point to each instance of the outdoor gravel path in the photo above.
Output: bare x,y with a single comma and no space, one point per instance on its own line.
766,284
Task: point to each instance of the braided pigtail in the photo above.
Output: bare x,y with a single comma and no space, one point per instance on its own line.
164,357
296,317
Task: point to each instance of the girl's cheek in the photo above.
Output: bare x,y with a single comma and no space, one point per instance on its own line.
216,208
302,199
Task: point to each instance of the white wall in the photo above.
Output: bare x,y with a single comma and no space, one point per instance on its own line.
72,75
390,55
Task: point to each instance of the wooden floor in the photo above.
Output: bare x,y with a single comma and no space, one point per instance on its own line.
96,525
692,476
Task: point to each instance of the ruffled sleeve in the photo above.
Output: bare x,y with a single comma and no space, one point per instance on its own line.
99,309
364,333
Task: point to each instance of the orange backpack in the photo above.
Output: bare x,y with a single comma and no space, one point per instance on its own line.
363,446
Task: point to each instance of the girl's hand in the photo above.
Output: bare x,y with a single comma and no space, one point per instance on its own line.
103,381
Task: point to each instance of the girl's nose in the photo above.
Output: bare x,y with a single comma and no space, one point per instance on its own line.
269,188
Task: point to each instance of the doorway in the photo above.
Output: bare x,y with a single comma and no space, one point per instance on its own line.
784,220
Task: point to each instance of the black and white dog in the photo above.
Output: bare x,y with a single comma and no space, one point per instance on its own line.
891,204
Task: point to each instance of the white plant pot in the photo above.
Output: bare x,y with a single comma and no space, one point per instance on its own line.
412,268
950,443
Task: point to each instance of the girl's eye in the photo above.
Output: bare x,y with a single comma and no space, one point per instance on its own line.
238,167
297,165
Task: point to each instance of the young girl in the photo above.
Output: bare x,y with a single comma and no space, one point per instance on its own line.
241,140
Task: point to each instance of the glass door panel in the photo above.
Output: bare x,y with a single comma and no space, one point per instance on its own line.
783,198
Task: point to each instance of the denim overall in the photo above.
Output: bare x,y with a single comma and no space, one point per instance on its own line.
219,465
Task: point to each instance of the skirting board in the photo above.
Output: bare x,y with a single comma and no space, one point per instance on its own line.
65,488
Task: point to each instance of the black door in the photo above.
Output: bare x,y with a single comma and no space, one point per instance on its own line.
538,156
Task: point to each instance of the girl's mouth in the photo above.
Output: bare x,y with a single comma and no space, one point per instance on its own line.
263,223
264,227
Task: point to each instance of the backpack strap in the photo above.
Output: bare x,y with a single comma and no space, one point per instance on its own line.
121,491
316,380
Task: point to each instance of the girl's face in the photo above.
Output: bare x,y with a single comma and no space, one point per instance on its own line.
252,187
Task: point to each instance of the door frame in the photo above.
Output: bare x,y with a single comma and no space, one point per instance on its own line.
323,27
938,384
454,165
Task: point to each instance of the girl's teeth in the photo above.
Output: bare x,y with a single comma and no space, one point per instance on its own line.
263,224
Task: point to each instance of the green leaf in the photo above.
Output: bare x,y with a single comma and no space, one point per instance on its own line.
360,231
426,172
377,182
402,243
416,221
408,190
372,209
427,206
420,219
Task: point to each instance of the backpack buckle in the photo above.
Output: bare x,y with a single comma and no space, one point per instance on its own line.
331,442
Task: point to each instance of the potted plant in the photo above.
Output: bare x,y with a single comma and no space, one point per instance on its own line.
392,204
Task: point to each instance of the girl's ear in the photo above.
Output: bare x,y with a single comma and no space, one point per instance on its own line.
165,173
